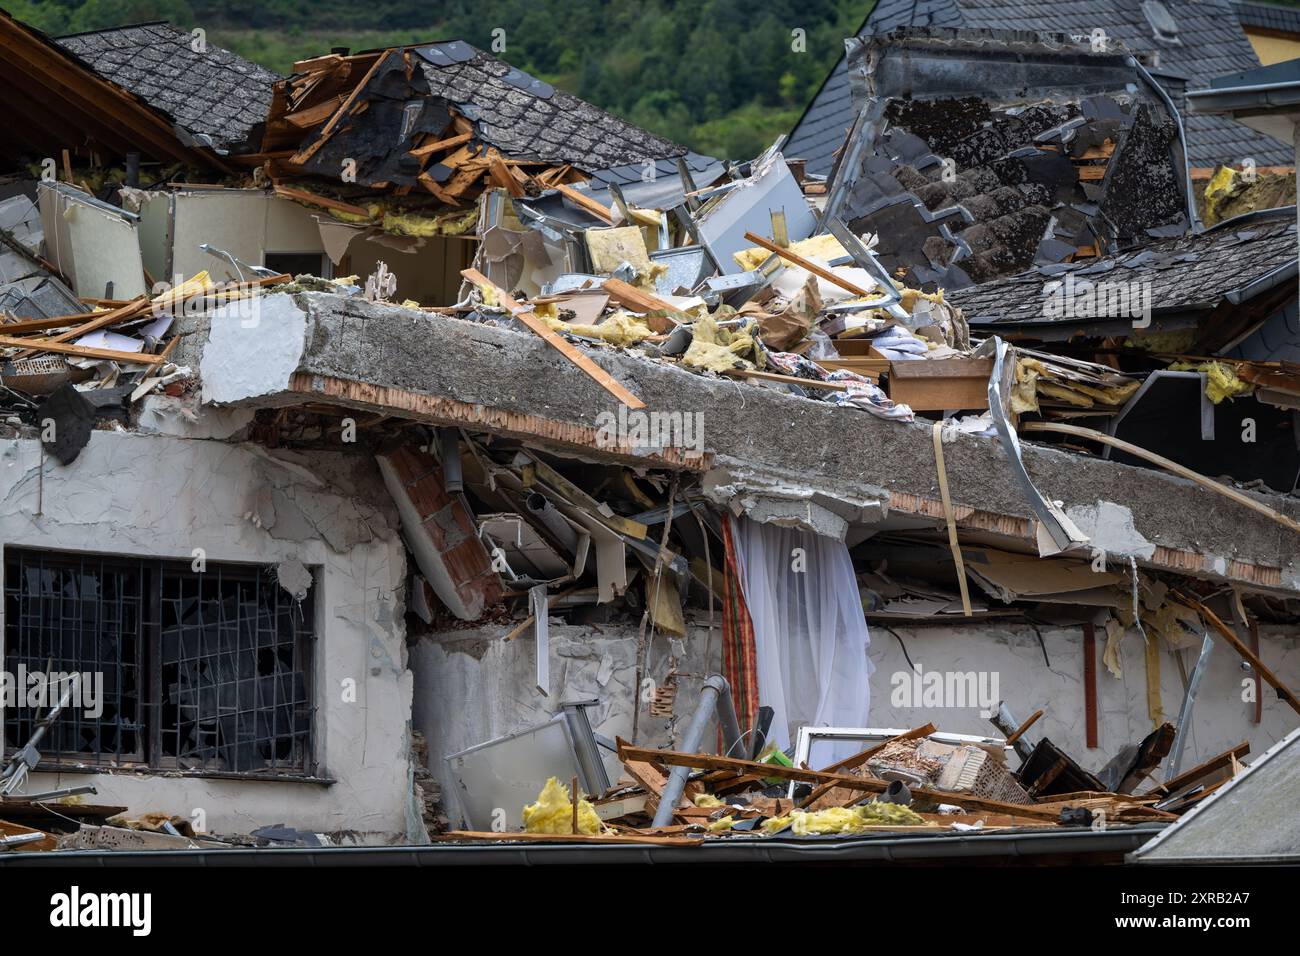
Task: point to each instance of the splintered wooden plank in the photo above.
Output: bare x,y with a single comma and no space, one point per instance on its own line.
827,788
785,379
313,115
326,62
548,335
136,308
638,300
328,129
428,149
501,175
1240,647
586,202
865,784
63,348
301,196
1215,764
808,265
434,189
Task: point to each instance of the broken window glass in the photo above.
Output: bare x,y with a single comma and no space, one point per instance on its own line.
200,671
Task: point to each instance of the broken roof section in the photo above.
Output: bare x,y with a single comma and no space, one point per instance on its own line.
980,153
1208,41
527,118
1185,279
215,96
442,117
55,101
28,290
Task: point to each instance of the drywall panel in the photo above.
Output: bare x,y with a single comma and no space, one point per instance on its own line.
92,243
231,219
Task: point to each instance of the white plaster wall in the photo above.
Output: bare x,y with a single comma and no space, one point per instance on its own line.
163,496
1221,718
471,686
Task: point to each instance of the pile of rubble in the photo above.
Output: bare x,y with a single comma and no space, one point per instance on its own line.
905,782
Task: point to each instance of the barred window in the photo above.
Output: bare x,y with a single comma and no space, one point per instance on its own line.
206,671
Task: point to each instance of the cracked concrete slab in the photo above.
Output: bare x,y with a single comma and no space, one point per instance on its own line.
450,371
255,345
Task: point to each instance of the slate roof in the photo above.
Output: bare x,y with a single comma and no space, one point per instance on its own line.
961,190
214,93
527,118
1211,44
1268,16
1187,273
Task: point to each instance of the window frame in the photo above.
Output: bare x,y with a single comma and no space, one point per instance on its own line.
155,574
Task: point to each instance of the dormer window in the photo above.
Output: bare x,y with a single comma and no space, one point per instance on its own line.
1163,25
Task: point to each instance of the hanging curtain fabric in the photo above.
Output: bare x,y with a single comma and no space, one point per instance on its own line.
739,658
810,635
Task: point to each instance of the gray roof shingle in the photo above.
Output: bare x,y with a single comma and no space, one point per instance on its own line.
213,93
1211,43
1186,273
524,117
1268,16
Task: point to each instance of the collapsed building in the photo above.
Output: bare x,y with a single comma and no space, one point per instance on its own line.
1185,42
475,437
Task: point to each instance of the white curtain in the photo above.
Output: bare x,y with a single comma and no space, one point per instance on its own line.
810,634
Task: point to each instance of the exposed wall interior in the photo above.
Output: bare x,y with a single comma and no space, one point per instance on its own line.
471,686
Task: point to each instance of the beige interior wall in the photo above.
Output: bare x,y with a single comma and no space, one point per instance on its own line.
247,223
430,275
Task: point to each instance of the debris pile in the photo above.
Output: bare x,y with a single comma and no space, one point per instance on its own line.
909,782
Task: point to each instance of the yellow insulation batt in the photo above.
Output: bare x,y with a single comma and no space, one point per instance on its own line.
844,819
553,812
716,349
1221,380
824,248
621,328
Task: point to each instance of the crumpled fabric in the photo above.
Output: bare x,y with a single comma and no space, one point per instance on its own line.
865,395
810,635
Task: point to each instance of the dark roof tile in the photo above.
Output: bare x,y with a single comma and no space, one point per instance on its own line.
559,128
1186,272
1211,43
157,63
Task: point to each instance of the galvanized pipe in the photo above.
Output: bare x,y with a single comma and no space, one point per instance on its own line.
715,697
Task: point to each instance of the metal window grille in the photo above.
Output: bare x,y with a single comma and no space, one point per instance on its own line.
202,671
